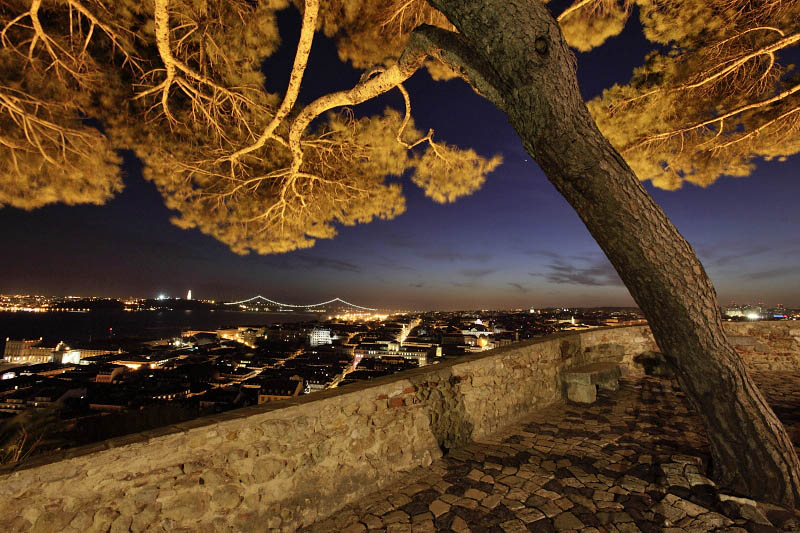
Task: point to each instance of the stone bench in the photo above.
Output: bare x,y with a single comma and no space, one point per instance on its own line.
582,382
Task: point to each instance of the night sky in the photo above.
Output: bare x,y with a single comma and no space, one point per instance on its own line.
515,243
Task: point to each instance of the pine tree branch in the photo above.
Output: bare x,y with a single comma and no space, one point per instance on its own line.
295,78
574,7
724,68
48,138
757,131
769,50
179,73
110,32
679,131
406,119
425,41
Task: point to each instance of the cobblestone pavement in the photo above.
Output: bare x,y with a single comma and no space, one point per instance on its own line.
636,460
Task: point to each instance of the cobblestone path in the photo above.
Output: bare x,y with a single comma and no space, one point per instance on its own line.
636,460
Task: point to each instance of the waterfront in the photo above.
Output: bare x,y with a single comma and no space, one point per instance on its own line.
99,326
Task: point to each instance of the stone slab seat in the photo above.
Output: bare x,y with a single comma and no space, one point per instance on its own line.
582,382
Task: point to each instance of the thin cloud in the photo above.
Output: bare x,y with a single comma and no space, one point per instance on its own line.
315,262
726,254
773,273
385,262
477,272
594,271
519,287
542,253
453,256
729,254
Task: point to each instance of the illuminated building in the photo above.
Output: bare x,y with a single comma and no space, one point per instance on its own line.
189,295
280,389
27,352
110,374
64,355
417,351
40,398
242,334
320,336
476,330
135,362
751,312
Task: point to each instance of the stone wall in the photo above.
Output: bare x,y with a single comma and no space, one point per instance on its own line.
287,464
767,345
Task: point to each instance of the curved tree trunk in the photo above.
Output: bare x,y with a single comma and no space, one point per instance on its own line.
523,56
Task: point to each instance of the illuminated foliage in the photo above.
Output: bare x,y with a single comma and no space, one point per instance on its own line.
370,32
47,152
180,83
717,95
466,168
343,180
589,24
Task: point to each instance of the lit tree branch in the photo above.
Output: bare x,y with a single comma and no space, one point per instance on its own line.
724,68
307,30
574,7
53,49
754,105
769,50
425,41
111,32
370,87
47,137
756,131
179,73
406,119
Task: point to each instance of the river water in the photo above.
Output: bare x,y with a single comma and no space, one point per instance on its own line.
78,329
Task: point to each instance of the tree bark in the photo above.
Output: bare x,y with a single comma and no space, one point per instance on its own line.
525,58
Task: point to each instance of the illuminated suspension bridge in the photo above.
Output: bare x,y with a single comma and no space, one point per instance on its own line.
260,298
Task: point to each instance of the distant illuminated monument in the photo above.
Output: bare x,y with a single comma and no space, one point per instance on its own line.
189,295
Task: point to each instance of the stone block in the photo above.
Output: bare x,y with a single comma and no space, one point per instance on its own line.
606,352
741,340
592,374
581,393
582,382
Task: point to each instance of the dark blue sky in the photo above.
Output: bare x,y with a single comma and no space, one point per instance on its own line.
514,243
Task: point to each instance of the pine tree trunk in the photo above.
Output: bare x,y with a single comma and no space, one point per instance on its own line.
525,58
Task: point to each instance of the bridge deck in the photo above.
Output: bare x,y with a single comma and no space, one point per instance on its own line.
260,298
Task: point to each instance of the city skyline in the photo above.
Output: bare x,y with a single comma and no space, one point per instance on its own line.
45,302
515,243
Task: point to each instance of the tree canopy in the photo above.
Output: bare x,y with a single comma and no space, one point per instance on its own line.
180,82
715,96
